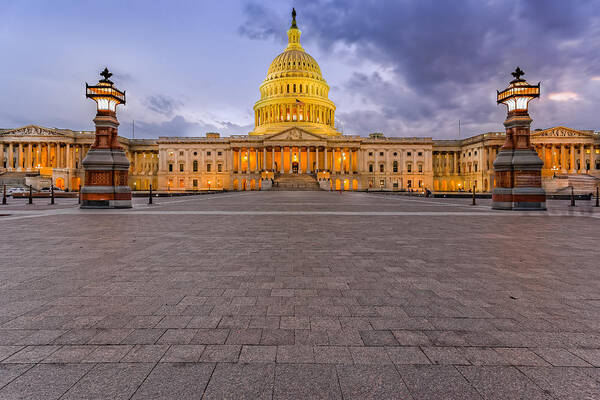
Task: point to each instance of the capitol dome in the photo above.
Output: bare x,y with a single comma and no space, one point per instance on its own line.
294,93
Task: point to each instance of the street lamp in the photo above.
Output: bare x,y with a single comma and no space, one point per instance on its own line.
518,168
106,165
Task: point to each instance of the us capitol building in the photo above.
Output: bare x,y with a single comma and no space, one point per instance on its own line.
295,145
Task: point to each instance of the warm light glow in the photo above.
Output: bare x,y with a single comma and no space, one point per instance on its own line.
563,96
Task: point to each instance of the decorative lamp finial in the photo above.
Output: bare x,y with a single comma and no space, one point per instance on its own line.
518,73
106,75
294,18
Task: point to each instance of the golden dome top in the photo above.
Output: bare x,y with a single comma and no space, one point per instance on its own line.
294,61
294,92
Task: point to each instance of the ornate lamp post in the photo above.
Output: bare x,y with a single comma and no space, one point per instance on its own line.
106,166
518,169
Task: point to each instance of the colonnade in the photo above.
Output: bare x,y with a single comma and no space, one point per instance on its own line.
299,112
561,157
28,156
291,159
144,162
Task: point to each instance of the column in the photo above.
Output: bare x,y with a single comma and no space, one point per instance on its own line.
572,158
316,158
544,156
581,158
29,156
248,159
376,166
562,158
273,158
326,160
10,165
80,156
592,158
2,156
239,166
290,170
69,159
281,162
350,161
454,163
264,161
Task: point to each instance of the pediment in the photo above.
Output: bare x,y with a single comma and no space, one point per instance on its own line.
561,131
32,130
294,134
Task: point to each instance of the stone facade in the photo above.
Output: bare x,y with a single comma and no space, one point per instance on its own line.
241,162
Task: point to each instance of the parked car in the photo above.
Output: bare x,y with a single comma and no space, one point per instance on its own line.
14,190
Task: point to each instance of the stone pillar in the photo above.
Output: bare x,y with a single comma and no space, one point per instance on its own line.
518,168
350,161
273,158
281,161
326,160
572,167
544,156
248,160
264,161
454,163
592,158
290,169
581,158
69,158
317,158
29,158
239,166
563,161
10,163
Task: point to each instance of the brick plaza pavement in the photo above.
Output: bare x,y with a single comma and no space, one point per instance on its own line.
299,295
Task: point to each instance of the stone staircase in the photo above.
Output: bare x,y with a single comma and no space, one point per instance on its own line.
582,184
295,182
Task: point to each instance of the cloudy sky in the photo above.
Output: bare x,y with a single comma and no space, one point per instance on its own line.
402,67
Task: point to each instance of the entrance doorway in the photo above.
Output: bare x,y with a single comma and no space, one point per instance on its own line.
295,167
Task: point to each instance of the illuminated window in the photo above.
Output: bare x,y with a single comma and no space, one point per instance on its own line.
409,182
219,167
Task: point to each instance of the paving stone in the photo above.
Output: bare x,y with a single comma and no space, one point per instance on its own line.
109,381
177,336
369,355
31,354
520,356
295,354
407,355
436,382
9,372
70,354
204,322
332,355
446,355
345,337
502,382
258,354
210,336
412,338
294,322
179,353
306,381
107,354
277,337
312,338
221,353
176,381
592,356
143,336
244,336
145,353
561,358
564,382
241,381
371,382
44,381
7,351
378,338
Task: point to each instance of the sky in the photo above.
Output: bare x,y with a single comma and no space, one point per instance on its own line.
401,67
